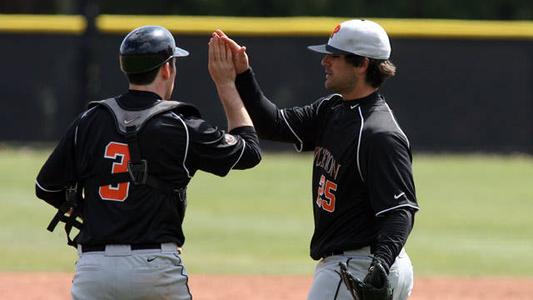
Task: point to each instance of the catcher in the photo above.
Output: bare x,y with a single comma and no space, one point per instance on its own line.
124,165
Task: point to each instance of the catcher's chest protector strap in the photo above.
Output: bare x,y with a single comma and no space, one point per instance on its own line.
129,123
137,118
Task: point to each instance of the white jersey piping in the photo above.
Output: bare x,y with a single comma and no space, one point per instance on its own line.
397,206
242,152
186,144
294,133
327,98
359,143
398,126
77,126
47,190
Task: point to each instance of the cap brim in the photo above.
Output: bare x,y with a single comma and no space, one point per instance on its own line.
178,52
319,49
327,49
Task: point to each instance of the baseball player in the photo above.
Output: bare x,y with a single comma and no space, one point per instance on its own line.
129,160
363,192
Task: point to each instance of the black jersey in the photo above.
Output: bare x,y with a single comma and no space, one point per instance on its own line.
361,167
176,144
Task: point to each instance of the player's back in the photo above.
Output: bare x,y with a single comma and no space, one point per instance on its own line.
123,212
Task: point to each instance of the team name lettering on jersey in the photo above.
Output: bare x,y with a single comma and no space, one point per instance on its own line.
325,160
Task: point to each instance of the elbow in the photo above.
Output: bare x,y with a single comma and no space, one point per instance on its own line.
39,193
253,159
256,157
54,199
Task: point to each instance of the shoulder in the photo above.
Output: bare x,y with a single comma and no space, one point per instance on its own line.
381,123
323,103
184,109
381,129
385,139
198,129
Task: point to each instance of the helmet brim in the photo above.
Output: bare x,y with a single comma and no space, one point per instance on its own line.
178,52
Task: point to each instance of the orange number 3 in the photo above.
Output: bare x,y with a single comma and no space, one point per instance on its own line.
118,192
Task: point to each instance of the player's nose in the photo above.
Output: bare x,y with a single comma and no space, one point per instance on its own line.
325,60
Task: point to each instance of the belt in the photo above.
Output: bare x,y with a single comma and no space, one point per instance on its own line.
101,248
332,253
364,251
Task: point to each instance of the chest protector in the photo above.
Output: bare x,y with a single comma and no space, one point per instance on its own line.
129,123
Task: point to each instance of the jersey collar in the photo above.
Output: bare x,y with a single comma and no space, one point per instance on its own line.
135,100
370,99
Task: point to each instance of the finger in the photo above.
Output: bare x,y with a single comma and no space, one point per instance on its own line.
220,33
210,53
221,49
229,54
234,46
218,49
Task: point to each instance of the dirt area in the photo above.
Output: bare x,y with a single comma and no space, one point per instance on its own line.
52,286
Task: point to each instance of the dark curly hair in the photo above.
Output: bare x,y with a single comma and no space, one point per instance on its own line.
378,69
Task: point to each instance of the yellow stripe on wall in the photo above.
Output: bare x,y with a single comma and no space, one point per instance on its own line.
282,26
293,26
322,26
42,24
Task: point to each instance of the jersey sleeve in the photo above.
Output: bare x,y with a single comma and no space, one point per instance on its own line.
217,152
292,125
58,172
388,173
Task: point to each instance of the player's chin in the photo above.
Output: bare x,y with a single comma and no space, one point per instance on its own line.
330,86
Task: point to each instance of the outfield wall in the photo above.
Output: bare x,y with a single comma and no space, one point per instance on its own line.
461,85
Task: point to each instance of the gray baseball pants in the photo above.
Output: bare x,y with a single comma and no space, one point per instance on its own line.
328,285
122,273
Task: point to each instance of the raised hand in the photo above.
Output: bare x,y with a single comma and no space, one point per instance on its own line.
240,58
220,63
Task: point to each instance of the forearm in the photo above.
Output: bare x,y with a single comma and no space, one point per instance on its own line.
264,113
235,111
395,228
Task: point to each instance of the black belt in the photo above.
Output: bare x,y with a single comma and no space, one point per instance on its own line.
96,248
342,252
332,253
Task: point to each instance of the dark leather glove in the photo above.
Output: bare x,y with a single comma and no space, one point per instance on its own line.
376,284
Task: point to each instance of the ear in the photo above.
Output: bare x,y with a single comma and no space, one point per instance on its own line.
166,70
364,65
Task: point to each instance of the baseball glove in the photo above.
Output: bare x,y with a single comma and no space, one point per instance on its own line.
374,287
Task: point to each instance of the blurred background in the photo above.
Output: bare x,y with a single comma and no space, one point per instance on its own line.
463,94
464,81
450,9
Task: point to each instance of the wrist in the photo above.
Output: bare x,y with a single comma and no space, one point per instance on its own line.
378,260
226,84
243,70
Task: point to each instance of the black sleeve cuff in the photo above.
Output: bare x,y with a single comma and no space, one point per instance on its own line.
243,130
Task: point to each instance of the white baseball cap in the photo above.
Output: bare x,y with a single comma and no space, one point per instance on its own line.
361,37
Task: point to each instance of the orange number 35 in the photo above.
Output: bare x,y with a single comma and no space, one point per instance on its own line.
326,189
118,192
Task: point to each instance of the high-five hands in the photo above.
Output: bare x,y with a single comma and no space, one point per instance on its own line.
240,58
220,62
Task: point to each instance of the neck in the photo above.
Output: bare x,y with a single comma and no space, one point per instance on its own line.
149,88
359,92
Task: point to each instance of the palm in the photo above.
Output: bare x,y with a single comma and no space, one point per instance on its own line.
240,58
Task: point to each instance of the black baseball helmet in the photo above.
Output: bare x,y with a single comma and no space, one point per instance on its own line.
146,48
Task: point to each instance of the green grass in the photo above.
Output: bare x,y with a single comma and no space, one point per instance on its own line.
475,218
